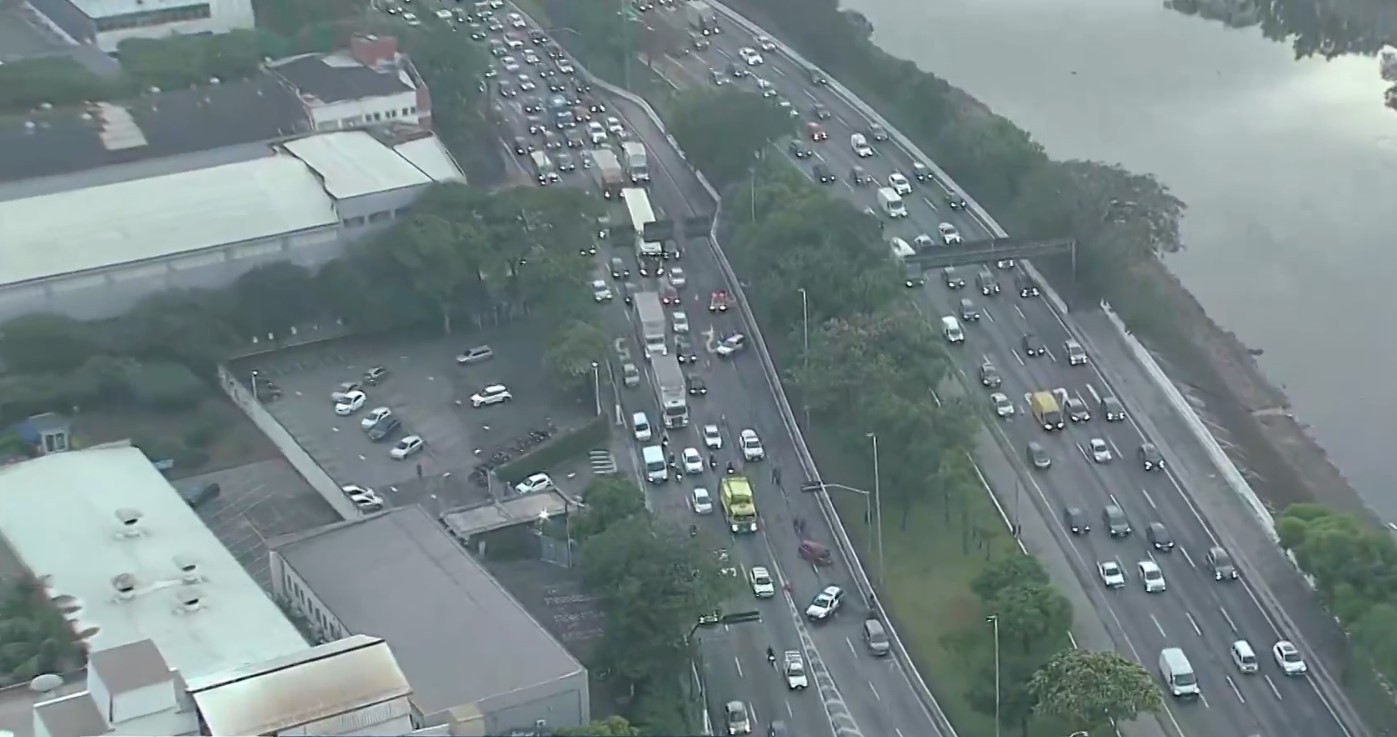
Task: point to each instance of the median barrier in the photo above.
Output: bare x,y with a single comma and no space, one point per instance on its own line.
596,433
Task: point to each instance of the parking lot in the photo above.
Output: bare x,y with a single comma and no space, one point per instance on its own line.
430,394
257,502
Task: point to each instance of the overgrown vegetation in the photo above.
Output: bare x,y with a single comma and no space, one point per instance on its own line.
37,638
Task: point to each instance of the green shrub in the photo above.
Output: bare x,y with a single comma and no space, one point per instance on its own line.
594,434
165,385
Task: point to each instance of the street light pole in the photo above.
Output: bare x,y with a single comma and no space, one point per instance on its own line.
805,323
877,505
994,620
596,387
868,497
254,385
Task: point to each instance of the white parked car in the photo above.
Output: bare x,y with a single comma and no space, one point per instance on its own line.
762,585
712,437
1152,577
1111,574
679,321
1289,659
375,416
1002,406
443,14
351,403
692,461
536,482
1100,451
826,603
601,292
364,499
677,279
407,446
517,21
343,390
731,345
493,394
766,44
949,235
700,501
752,449
899,183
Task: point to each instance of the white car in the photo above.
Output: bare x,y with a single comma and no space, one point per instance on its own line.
949,235
1111,574
536,482
793,666
731,345
375,416
531,58
1002,406
899,183
860,146
700,501
601,292
443,14
752,449
923,242
597,132
516,21
826,603
767,90
735,714
1100,451
640,427
1289,659
762,585
1152,577
751,56
343,390
614,127
411,19
692,461
677,278
712,437
510,64
493,394
365,499
766,44
407,446
679,321
351,402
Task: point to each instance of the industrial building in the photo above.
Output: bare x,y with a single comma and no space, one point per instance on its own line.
106,23
478,661
94,252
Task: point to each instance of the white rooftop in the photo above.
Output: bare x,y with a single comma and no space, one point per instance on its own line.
354,163
109,8
69,518
430,155
141,219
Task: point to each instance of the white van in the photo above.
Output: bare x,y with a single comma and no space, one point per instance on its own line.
950,327
1178,673
891,203
901,249
656,470
640,425
1244,657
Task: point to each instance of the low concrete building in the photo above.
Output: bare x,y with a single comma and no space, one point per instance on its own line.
106,23
477,660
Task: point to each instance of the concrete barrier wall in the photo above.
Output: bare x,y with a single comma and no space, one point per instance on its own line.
281,438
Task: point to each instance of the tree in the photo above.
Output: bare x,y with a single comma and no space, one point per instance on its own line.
609,501
61,81
1031,616
290,18
722,131
436,257
1016,701
612,726
44,342
272,298
187,326
1090,690
178,62
572,351
1005,573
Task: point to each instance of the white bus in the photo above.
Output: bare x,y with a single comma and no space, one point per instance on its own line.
641,214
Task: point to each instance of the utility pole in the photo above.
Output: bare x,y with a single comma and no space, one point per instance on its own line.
877,505
994,620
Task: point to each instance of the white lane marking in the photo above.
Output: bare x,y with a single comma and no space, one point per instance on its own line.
986,313
934,397
1158,626
1116,453
1236,690
1049,354
850,643
1274,690
1194,622
1022,316
874,690
1113,499
1095,398
1228,617
810,95
929,203
1073,640
1204,701
1015,351
1187,558
789,712
899,732
738,663
1148,498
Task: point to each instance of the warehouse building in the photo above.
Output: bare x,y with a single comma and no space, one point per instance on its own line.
94,252
106,23
477,660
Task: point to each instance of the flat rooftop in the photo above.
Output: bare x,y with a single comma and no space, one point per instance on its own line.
127,558
354,163
459,636
339,77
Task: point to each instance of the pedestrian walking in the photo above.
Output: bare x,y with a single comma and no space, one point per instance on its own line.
419,470
775,475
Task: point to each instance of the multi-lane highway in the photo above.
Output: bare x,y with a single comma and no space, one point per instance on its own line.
1200,615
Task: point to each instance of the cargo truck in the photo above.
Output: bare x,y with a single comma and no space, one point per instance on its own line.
633,153
1046,410
608,172
739,506
671,392
544,170
651,316
703,18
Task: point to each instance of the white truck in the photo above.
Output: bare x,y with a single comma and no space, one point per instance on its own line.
703,18
891,203
609,172
544,170
670,391
651,316
636,165
1178,673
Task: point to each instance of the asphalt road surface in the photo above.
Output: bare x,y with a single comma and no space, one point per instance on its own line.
1196,613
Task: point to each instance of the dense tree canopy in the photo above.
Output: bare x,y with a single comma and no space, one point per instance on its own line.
1092,690
37,637
725,129
1327,29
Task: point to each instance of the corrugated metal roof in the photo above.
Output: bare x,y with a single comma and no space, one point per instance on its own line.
119,223
429,155
354,163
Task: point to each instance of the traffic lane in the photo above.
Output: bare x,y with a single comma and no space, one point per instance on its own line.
676,182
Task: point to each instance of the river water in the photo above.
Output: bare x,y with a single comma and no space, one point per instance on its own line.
1288,169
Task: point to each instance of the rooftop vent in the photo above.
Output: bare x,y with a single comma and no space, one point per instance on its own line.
130,521
189,598
188,569
125,585
45,683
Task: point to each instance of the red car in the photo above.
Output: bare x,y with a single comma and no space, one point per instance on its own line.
817,132
718,302
669,295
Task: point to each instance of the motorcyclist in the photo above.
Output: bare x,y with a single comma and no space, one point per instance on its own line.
731,470
712,461
693,530
770,654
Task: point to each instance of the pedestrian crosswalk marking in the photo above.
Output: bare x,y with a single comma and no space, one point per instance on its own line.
602,461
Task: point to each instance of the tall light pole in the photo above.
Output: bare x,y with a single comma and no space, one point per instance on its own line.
805,322
878,504
254,385
596,387
874,521
994,620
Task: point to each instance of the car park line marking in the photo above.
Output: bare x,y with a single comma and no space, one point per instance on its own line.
1194,622
1274,690
1148,498
1187,558
1236,690
1225,616
1158,626
899,732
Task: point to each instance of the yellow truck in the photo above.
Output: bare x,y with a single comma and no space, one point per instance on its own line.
1046,410
739,506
